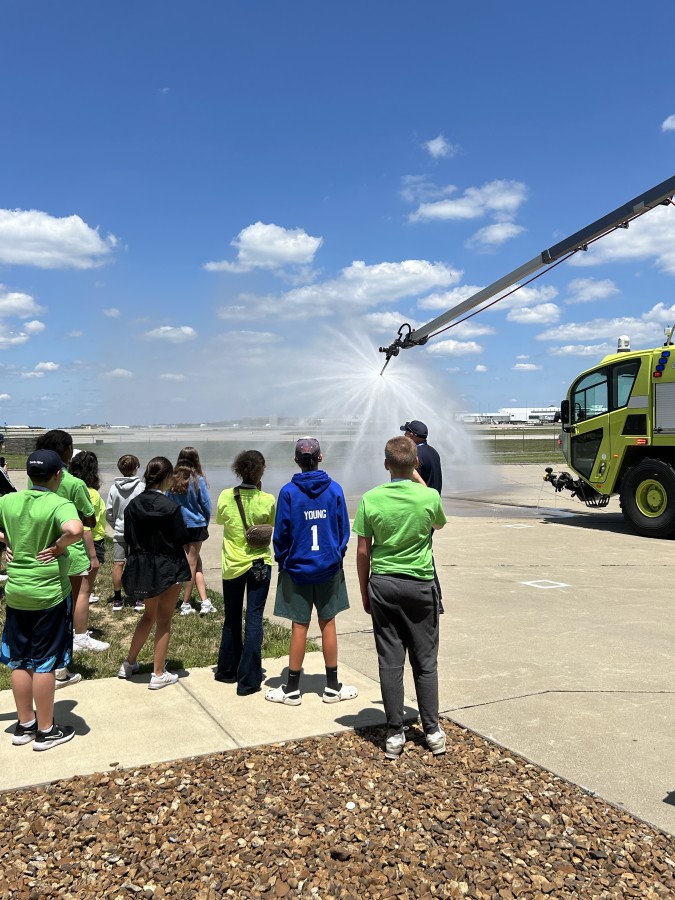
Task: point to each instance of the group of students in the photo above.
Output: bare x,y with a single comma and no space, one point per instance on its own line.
159,524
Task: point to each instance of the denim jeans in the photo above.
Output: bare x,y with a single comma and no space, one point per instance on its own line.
237,658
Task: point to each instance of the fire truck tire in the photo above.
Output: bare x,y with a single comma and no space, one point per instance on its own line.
648,498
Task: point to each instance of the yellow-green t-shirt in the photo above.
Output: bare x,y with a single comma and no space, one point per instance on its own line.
32,521
98,531
259,509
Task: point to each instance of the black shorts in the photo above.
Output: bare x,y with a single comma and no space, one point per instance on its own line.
38,639
99,547
200,533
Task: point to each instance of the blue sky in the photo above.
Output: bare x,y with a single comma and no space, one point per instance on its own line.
202,202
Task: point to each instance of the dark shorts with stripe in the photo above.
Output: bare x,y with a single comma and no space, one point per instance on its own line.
198,533
38,639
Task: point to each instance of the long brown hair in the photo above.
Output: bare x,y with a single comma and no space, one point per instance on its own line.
188,467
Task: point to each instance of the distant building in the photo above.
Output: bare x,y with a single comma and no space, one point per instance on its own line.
523,415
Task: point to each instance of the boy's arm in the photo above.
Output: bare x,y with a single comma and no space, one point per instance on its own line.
71,532
363,551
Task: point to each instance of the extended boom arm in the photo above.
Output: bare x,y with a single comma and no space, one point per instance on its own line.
661,194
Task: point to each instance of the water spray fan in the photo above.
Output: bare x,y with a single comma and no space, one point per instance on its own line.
660,195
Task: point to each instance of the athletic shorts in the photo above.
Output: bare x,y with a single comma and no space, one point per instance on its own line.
199,533
119,551
295,601
99,546
38,639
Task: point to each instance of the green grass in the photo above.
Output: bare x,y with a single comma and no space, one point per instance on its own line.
194,639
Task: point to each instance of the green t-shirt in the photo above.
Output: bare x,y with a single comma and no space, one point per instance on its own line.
399,516
259,509
32,520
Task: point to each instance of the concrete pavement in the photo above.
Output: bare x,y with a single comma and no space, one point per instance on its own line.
557,642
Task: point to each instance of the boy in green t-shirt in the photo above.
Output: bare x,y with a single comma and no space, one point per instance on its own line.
38,527
394,562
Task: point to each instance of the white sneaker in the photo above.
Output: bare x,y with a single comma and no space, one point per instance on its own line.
87,642
186,609
207,607
127,670
436,741
64,678
394,745
93,598
163,680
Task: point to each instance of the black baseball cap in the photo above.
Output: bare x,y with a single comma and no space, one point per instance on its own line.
43,464
419,429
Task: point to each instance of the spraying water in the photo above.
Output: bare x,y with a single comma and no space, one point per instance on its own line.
355,410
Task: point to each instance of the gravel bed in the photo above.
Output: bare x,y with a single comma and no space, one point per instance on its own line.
329,817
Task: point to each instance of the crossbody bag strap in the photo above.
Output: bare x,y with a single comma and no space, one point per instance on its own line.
241,508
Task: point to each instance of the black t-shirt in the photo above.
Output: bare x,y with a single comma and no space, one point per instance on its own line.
430,466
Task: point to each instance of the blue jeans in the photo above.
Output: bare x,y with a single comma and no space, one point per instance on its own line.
237,658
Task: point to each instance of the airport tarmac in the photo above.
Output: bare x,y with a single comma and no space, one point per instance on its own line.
558,642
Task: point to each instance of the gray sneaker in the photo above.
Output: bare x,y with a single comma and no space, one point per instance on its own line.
436,741
161,681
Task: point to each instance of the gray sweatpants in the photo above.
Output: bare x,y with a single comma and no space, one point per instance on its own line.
405,619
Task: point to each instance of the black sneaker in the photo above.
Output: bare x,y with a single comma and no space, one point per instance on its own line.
57,734
24,734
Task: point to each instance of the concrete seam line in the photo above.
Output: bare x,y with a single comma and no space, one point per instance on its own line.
209,714
552,691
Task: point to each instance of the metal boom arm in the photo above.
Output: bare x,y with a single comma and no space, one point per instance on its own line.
619,218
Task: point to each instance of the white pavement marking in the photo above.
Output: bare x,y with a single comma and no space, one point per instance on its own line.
544,584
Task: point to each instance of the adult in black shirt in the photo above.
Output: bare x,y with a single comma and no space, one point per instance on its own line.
429,460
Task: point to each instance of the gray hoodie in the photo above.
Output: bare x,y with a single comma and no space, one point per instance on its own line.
119,496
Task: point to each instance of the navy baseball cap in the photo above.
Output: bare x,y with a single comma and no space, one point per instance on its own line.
43,464
419,429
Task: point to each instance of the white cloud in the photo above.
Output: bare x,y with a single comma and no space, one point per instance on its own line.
523,356
668,124
419,189
652,236
11,338
448,299
119,373
34,238
454,348
480,368
262,246
595,350
34,327
440,148
250,337
5,397
75,334
525,367
471,329
16,303
389,320
33,374
111,313
585,290
527,296
176,335
358,286
645,330
501,198
494,235
536,315
47,367
171,376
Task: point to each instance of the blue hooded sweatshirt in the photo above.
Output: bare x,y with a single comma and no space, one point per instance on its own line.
311,529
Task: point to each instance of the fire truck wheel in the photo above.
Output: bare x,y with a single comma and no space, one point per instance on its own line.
648,498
